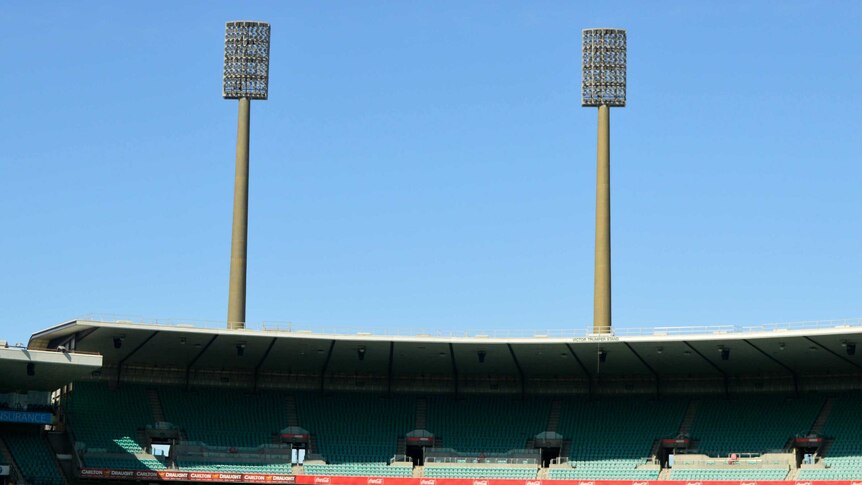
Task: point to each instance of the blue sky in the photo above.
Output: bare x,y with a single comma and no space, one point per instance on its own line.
428,164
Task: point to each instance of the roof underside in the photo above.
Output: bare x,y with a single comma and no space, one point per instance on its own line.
753,353
25,369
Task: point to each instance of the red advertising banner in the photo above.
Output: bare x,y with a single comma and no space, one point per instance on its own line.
319,480
169,475
181,476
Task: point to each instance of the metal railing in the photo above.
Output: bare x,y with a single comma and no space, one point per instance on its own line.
525,331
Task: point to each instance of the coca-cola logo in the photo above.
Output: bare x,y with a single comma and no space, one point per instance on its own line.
375,481
480,482
747,483
321,479
586,483
804,483
534,482
427,482
640,483
693,483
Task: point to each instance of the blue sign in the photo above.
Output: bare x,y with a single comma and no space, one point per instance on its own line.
28,417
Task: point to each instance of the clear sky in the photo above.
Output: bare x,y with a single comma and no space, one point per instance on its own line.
428,164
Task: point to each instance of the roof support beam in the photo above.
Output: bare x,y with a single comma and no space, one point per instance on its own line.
791,371
192,363
325,366
714,366
520,371
845,359
124,359
262,359
652,371
454,367
389,369
70,341
583,368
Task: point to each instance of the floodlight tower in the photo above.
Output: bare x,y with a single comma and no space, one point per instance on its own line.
604,85
246,77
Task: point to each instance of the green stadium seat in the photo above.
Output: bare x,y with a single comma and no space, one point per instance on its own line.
368,428
486,424
511,473
106,419
730,474
229,418
203,466
744,426
359,470
844,457
34,457
612,437
123,462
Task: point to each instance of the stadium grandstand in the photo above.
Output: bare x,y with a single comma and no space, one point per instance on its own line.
98,400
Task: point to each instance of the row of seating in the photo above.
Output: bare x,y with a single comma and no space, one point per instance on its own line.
480,472
356,428
124,462
33,455
106,419
602,474
205,466
844,457
610,438
486,424
753,424
730,474
359,470
225,418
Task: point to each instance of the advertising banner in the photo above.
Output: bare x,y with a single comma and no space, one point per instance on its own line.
184,476
26,417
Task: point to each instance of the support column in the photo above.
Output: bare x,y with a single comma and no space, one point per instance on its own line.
602,288
239,236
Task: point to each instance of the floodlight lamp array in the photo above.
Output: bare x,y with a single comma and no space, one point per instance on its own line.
246,60
604,67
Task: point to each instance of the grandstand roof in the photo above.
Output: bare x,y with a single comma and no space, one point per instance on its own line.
777,349
51,368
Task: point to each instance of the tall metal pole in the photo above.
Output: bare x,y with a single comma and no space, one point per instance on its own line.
239,234
246,77
603,86
602,288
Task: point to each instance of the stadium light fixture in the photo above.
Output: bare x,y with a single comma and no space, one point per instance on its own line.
603,85
360,353
246,77
603,356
